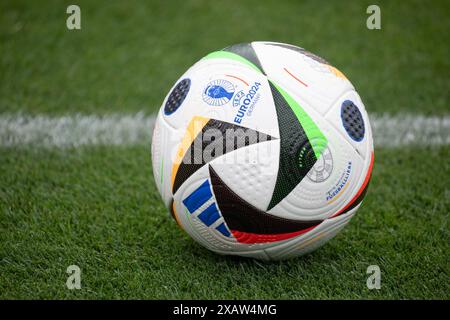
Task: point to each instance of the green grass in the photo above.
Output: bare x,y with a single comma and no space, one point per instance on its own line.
129,53
98,207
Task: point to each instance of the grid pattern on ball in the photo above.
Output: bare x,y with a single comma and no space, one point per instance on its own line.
296,153
352,120
177,96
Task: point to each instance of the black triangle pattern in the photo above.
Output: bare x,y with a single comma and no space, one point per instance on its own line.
241,216
194,158
294,144
245,50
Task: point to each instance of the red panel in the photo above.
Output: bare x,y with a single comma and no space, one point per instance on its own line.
366,181
247,237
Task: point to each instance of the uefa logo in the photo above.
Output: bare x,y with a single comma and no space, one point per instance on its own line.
218,92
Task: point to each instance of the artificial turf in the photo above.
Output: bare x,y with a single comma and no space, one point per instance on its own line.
129,53
98,208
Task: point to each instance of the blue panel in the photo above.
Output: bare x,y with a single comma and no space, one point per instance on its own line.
352,120
198,197
177,96
223,230
210,215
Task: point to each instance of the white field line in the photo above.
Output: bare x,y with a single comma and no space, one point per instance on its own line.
75,130
407,129
134,129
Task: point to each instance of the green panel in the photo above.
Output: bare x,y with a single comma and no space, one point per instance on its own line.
232,56
315,136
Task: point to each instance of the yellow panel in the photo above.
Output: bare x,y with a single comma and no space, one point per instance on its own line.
337,73
195,126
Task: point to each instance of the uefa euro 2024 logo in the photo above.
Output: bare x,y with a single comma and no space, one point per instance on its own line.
218,92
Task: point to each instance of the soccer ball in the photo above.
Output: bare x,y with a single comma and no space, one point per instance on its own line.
262,150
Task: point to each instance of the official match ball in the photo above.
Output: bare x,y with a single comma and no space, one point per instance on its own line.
262,150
